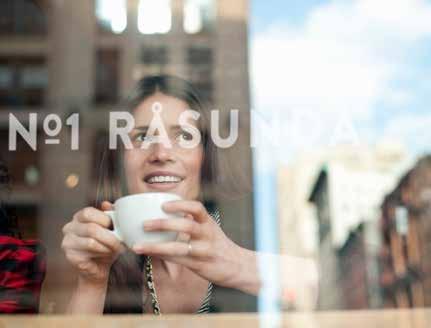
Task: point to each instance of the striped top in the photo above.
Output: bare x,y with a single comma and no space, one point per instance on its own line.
205,306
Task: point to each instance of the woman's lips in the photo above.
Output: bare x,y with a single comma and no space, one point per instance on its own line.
162,186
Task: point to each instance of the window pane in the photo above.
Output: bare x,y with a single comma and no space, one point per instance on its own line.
107,61
23,81
154,56
112,15
200,63
22,17
34,77
6,77
154,16
198,15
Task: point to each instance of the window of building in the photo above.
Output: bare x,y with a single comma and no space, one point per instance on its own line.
23,163
154,56
154,16
6,77
200,63
107,76
198,15
112,15
22,17
34,77
23,81
153,60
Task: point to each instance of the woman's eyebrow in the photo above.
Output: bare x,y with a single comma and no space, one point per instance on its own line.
141,128
145,128
176,127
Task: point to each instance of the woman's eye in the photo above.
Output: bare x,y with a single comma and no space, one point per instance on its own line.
142,137
185,135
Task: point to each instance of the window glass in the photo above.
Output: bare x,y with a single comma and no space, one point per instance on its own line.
112,15
6,77
34,77
200,65
198,15
154,16
107,66
23,17
23,81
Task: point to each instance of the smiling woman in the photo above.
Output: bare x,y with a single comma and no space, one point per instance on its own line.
172,276
157,169
118,275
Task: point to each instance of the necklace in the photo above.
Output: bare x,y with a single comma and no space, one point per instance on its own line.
151,287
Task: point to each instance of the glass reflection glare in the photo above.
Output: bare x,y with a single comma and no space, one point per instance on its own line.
154,16
112,14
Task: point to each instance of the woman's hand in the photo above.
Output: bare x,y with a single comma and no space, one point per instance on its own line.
208,252
89,246
216,258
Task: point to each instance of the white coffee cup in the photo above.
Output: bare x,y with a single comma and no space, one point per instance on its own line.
130,213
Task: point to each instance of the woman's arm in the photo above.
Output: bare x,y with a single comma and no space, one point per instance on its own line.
88,298
245,277
297,277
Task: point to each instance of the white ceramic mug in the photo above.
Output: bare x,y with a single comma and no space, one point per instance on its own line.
130,213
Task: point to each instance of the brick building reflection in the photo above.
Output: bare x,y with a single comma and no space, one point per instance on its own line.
406,229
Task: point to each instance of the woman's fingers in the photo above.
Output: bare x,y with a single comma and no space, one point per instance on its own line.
93,215
94,231
171,249
107,206
91,245
187,226
195,208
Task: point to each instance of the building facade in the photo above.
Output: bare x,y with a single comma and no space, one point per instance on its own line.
347,194
406,233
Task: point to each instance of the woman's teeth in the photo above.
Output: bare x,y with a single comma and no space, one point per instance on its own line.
163,179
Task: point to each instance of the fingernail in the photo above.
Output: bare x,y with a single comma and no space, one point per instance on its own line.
168,203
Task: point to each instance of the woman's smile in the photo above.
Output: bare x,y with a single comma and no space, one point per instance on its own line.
163,180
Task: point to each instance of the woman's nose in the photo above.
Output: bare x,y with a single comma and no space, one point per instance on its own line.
160,152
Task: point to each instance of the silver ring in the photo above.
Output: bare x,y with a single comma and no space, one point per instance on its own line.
189,249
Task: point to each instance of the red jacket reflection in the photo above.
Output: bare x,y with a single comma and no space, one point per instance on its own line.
22,270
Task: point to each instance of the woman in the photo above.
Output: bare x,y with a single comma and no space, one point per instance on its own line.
114,280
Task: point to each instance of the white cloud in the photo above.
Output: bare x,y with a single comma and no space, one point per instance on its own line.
343,60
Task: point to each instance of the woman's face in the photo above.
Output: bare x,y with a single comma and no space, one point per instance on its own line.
159,168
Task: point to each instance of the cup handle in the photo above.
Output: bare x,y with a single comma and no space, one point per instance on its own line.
115,231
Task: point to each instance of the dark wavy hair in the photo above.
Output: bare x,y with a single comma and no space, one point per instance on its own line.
125,286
